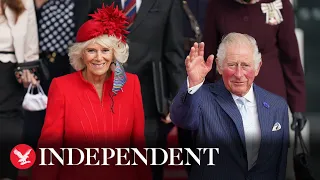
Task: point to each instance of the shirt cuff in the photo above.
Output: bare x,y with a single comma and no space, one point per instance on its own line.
193,89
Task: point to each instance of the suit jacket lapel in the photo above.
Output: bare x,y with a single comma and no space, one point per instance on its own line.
265,120
142,13
225,100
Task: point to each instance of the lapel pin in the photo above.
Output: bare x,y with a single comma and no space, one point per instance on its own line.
266,105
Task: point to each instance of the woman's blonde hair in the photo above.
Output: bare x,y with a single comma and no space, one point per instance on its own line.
120,50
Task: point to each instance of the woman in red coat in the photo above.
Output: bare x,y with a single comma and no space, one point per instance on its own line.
99,106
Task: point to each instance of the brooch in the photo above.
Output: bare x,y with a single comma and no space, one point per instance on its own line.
266,105
272,11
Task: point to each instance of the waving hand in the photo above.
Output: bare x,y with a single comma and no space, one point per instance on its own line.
196,67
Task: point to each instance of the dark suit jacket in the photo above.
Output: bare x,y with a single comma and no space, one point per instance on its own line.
216,121
281,72
156,35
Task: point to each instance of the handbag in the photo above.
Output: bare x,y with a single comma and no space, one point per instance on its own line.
300,160
34,66
160,89
35,102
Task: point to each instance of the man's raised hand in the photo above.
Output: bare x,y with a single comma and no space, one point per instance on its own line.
196,67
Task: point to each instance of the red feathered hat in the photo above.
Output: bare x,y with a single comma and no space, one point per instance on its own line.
107,20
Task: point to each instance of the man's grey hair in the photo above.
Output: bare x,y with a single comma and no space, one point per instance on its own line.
120,50
238,39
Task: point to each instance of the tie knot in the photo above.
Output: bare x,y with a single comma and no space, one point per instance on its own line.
242,101
242,106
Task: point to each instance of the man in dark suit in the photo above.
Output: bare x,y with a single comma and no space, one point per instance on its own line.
248,124
277,43
156,36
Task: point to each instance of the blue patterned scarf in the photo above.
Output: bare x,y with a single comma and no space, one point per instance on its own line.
120,78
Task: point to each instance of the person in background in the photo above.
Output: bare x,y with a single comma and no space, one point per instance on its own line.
271,23
98,106
18,45
198,11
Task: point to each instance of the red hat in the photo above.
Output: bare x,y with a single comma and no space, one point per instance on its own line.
107,20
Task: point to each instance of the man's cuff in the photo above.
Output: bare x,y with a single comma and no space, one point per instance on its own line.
193,89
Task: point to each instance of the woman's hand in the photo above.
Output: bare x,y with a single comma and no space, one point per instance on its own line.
25,77
166,120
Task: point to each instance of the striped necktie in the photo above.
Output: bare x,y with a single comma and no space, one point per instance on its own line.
130,11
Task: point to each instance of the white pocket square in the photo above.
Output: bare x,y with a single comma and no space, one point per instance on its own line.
276,127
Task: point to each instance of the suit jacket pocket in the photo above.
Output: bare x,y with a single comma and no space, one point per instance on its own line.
154,10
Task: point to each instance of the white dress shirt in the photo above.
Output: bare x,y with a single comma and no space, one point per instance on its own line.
20,37
138,4
251,125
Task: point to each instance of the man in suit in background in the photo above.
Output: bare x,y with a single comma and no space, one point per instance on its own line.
248,124
198,9
155,36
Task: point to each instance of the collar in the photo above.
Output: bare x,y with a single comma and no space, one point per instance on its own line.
249,96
